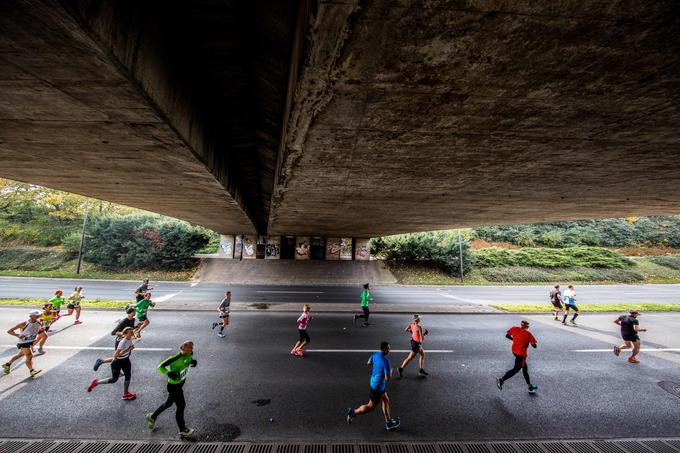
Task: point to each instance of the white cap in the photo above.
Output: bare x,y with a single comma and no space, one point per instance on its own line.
34,313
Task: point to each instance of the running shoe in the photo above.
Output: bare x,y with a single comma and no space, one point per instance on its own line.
299,353
617,351
499,383
355,319
56,318
533,388
292,351
400,372
392,424
572,322
41,351
6,368
220,334
633,360
150,422
77,322
97,364
214,325
186,432
350,415
129,396
34,373
92,385
423,372
365,324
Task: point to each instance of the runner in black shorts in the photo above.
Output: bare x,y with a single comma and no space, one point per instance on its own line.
417,337
556,301
29,331
630,327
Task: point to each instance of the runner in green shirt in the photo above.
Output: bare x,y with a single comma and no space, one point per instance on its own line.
142,307
56,302
365,299
175,367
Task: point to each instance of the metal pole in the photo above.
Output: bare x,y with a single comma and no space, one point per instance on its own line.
460,252
82,236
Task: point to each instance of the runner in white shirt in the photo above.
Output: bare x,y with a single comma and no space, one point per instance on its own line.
569,298
28,332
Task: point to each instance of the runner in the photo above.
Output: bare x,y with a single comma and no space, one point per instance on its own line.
56,302
46,317
381,373
121,362
556,300
223,309
142,307
570,303
630,327
128,321
29,331
74,303
176,367
143,289
521,339
365,299
304,340
417,337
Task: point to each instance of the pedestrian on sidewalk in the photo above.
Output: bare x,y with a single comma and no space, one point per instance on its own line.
380,374
175,367
142,308
556,301
121,362
223,310
128,321
521,339
365,299
46,317
56,302
74,301
570,304
302,323
28,332
417,337
142,290
630,327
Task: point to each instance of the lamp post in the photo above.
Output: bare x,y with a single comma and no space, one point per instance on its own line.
460,253
82,236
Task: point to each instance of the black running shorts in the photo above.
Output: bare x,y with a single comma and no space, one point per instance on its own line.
375,395
416,346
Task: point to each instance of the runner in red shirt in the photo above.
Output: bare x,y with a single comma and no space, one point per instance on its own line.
521,339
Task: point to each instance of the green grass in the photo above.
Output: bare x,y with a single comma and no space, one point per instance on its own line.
94,303
101,275
595,308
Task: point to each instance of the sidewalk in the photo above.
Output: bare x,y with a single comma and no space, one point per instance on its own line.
332,307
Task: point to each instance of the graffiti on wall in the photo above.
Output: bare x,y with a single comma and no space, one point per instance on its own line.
227,248
248,248
272,250
362,251
345,248
302,250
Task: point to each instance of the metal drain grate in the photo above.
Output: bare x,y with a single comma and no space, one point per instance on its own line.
582,447
288,448
634,447
149,448
608,447
477,448
503,448
671,387
205,448
370,448
445,448
231,448
342,448
555,447
397,448
658,446
120,448
529,447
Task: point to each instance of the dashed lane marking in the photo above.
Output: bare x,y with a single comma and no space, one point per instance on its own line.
624,350
290,292
435,351
89,348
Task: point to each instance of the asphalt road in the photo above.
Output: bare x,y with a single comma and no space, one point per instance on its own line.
249,377
203,292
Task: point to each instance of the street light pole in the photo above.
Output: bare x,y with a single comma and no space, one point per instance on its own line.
460,253
82,236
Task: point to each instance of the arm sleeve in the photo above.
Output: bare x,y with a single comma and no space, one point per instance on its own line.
162,367
532,340
119,327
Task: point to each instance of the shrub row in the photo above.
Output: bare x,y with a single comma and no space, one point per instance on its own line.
593,257
572,274
672,261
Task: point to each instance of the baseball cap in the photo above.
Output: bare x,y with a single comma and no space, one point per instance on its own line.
34,313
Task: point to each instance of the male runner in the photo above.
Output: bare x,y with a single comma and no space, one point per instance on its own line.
56,302
381,373
143,289
121,362
630,327
556,300
417,337
28,332
176,367
142,307
521,339
74,303
223,310
128,321
570,303
365,299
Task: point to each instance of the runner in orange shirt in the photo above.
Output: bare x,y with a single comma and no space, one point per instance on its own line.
521,339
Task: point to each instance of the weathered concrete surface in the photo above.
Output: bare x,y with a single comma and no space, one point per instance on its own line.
430,114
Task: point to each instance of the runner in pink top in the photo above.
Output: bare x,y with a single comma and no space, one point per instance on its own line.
304,340
417,337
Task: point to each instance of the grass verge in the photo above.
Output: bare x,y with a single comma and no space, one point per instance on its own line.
100,275
595,308
94,303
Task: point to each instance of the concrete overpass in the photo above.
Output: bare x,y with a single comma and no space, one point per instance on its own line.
346,118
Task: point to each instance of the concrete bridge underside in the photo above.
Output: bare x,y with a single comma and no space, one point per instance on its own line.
346,118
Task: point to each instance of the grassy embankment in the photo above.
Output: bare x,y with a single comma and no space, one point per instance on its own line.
595,308
94,303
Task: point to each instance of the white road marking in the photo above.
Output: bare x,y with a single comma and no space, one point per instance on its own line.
468,300
194,284
164,298
624,350
443,351
291,292
89,348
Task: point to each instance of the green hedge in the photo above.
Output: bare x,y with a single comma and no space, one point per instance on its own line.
592,257
672,261
573,274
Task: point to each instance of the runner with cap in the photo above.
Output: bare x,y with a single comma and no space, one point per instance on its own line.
630,327
121,362
417,337
521,339
27,333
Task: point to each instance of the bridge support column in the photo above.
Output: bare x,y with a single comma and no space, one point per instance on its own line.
302,248
362,249
272,249
249,247
332,249
226,249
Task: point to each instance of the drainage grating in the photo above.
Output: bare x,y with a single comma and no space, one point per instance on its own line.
555,447
398,448
503,448
477,448
369,448
608,447
65,447
314,448
205,448
231,448
582,447
149,448
529,447
671,387
429,448
342,448
119,448
287,448
634,447
38,447
659,446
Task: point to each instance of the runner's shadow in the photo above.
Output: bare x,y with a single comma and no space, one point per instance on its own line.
29,378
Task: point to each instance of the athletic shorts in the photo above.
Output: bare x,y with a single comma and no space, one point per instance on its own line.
557,304
632,338
571,307
416,346
25,344
224,315
375,395
71,306
304,336
142,318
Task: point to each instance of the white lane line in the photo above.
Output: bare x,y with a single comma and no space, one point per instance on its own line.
89,348
194,284
468,300
624,350
164,298
291,292
443,351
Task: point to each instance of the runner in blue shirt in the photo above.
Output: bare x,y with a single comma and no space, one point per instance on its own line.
381,373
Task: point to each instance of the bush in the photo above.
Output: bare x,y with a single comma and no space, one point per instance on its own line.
71,243
592,257
672,261
552,238
142,242
572,274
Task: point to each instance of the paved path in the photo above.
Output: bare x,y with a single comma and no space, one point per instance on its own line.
211,293
249,377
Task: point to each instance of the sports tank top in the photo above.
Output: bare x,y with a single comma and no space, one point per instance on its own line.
30,331
415,333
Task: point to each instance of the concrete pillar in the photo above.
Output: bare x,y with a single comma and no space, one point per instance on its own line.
332,249
362,249
346,249
226,249
238,246
302,248
249,247
272,249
